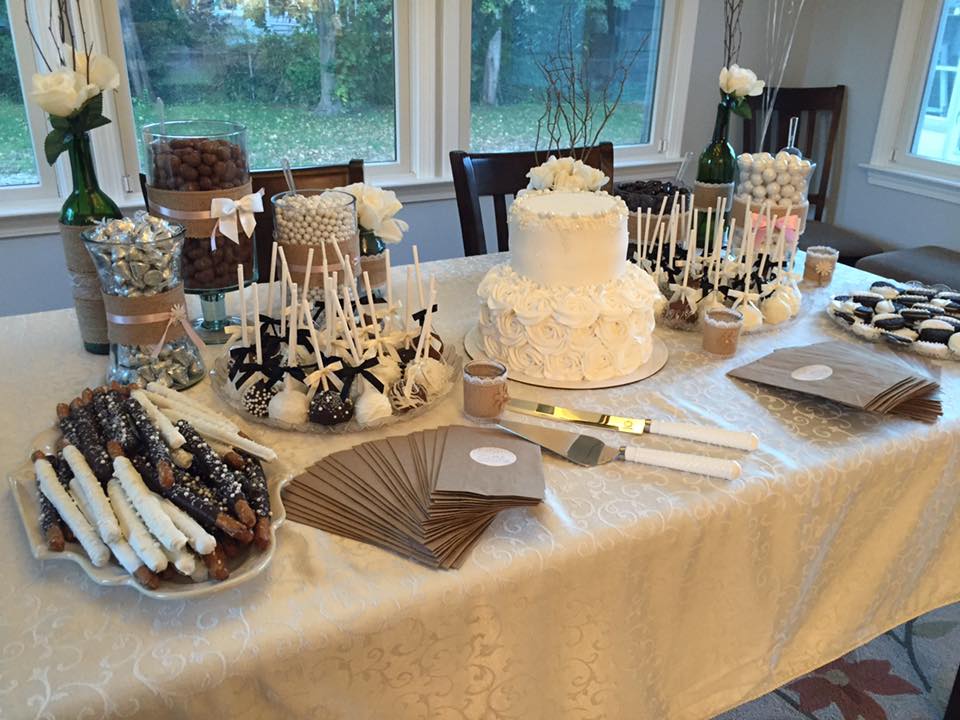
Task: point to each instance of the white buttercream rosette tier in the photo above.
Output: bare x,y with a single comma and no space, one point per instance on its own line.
568,307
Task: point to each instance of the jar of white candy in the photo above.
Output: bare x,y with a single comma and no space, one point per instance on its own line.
325,220
779,181
138,262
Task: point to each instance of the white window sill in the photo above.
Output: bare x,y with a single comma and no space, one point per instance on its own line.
897,177
41,218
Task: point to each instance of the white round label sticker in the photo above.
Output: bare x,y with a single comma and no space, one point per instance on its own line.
493,456
809,373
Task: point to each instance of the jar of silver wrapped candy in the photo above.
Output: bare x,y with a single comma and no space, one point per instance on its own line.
138,261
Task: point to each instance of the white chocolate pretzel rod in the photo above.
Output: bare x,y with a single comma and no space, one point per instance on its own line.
57,494
136,533
237,440
183,560
162,396
198,538
121,549
146,505
168,432
101,512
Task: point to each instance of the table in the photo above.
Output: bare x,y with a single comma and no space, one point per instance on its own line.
631,592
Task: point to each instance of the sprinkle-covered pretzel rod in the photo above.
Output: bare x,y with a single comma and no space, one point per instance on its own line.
101,513
143,543
115,425
168,432
254,482
215,472
60,498
51,526
202,504
153,445
80,433
237,440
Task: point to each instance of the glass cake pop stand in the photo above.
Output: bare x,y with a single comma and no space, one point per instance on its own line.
212,326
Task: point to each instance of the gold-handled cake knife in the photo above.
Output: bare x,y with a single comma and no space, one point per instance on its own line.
634,426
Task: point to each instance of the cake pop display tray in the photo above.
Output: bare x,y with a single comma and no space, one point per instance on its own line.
226,392
658,358
242,568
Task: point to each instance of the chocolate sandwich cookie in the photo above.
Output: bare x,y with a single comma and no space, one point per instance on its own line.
901,338
926,292
885,288
844,315
934,309
864,313
889,321
915,314
886,306
949,295
936,331
870,299
910,299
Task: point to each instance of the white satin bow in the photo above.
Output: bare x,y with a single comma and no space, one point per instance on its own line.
226,212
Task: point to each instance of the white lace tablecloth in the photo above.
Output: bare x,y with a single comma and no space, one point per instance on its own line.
630,593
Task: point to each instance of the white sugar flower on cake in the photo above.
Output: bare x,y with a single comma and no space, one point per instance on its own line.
566,174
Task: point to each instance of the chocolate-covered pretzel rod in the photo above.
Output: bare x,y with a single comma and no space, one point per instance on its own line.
65,505
216,564
202,504
214,472
82,434
254,482
113,420
50,522
153,445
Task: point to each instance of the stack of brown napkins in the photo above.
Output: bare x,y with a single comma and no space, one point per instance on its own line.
428,495
860,376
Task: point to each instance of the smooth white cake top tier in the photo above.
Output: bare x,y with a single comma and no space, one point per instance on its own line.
568,238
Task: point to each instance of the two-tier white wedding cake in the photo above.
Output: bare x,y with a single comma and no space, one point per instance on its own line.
568,306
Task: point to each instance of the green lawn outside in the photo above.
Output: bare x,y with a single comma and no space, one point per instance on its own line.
309,139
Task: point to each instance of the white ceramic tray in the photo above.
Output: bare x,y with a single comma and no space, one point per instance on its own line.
242,568
658,358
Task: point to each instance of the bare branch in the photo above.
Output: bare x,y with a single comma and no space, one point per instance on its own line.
33,36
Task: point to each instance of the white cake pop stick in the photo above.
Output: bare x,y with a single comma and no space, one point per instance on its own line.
171,436
147,507
663,206
306,278
373,311
143,543
258,343
423,343
408,307
273,272
416,270
103,517
345,313
198,538
58,496
243,306
658,270
388,318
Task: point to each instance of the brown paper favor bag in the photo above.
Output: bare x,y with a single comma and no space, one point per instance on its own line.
490,463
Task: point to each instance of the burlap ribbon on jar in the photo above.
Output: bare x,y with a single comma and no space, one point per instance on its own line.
296,255
85,285
192,209
143,320
706,195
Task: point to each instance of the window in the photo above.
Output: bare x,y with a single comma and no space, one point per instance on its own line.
313,82
917,146
398,83
937,134
510,40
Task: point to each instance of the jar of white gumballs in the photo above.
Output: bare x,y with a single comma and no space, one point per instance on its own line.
324,220
779,182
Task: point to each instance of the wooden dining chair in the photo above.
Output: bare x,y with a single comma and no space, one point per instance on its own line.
477,175
819,110
273,182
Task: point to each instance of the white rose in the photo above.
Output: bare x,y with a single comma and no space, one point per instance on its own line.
509,328
103,71
493,276
590,178
615,306
598,363
62,92
632,356
375,210
575,309
541,177
568,183
563,366
740,82
643,322
582,338
491,347
502,296
548,336
614,333
533,306
525,359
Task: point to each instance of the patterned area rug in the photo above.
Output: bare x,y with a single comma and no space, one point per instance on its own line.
905,674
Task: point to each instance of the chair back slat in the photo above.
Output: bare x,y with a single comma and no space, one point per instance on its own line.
807,104
497,175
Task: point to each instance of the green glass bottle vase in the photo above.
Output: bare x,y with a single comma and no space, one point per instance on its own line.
716,169
85,205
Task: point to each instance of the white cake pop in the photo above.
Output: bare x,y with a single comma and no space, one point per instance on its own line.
775,310
372,406
432,375
289,405
752,317
387,370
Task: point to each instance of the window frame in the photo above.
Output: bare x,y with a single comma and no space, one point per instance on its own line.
432,60
892,163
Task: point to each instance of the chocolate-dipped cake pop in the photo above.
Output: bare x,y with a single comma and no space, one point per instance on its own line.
403,402
256,400
328,408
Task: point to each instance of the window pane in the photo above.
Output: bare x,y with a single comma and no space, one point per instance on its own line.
937,134
18,164
311,81
510,37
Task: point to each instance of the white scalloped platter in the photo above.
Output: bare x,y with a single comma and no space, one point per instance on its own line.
658,358
242,568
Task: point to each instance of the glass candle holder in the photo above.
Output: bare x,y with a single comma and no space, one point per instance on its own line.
484,390
325,220
140,278
819,265
721,331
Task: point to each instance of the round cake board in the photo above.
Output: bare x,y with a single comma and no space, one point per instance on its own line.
658,358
